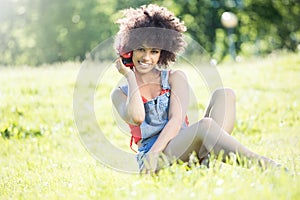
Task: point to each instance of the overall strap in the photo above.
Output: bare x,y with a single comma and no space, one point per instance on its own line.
124,89
165,80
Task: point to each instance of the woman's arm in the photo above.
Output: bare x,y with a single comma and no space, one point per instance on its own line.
131,107
179,101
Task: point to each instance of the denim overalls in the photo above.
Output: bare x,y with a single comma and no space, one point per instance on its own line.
156,118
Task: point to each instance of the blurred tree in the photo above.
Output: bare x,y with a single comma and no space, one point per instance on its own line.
264,25
12,28
46,31
74,29
267,25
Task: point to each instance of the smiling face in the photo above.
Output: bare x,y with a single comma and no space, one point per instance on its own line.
145,59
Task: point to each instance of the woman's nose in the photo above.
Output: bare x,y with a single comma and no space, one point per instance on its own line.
146,55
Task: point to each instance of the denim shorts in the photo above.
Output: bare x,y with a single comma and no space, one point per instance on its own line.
146,145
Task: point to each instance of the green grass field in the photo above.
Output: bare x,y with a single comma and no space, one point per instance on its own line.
42,156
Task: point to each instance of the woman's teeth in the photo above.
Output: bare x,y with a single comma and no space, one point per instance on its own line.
144,64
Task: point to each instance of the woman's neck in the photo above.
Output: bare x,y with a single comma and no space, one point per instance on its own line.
150,77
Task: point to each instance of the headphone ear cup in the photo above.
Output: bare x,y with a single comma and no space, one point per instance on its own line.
127,59
127,55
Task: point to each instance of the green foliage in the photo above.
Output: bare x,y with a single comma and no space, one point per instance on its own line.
41,31
264,26
34,32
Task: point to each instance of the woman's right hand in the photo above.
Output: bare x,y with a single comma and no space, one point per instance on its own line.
150,163
121,67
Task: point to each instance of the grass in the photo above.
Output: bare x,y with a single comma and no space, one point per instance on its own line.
42,156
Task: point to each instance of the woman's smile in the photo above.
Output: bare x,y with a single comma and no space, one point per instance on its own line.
144,64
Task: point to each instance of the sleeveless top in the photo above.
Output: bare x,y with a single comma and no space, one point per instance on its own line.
156,112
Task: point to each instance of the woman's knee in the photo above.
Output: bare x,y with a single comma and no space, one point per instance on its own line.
208,128
226,93
206,122
203,127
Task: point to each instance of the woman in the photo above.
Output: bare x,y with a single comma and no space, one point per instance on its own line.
155,101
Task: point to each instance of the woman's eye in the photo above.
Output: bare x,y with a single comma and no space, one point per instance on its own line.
140,49
155,51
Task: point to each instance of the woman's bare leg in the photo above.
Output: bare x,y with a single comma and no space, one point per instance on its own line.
222,108
207,136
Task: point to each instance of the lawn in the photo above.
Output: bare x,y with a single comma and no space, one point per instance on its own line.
42,155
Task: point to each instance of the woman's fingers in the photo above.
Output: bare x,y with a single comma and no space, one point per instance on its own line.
118,63
121,67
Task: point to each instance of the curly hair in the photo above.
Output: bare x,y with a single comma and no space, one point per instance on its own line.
153,26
